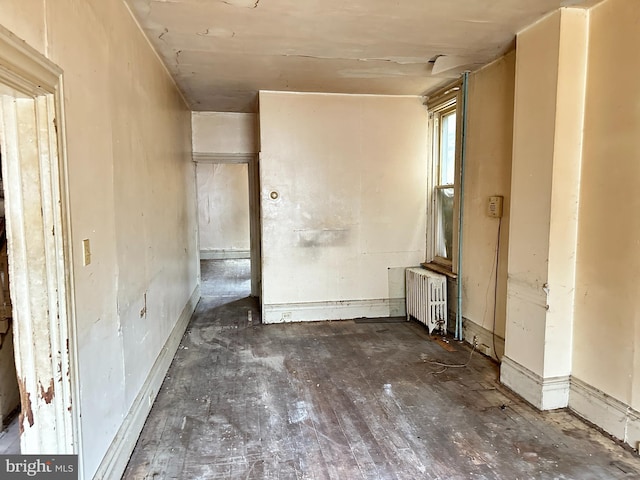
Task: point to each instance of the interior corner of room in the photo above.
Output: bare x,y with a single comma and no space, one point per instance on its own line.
142,169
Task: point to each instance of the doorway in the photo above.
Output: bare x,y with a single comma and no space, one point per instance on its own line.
39,254
9,390
228,219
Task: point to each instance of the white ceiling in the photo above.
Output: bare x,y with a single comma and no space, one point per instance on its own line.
221,52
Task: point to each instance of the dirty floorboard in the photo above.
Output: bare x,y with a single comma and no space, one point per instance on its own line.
349,400
10,438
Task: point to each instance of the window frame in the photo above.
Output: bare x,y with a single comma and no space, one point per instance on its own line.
444,102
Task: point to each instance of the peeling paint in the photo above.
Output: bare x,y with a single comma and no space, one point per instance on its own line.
25,402
242,3
397,33
47,395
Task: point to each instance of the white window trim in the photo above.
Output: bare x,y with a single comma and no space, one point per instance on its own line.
438,105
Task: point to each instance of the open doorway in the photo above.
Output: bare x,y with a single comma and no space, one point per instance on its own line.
38,250
228,225
223,211
224,225
9,390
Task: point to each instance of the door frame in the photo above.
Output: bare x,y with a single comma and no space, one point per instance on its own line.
38,225
251,160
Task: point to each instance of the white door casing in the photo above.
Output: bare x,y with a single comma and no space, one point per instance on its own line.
38,238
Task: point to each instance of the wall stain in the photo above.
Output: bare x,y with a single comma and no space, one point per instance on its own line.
25,402
325,237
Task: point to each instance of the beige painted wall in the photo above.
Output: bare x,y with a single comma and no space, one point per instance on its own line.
222,132
132,193
607,322
487,173
223,207
350,174
533,149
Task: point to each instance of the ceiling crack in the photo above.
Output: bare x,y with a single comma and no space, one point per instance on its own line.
387,60
209,33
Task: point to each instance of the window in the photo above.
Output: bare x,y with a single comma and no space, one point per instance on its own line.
444,136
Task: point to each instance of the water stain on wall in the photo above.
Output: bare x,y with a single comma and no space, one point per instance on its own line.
322,238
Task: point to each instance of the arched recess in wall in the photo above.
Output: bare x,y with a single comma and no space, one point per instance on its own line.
38,233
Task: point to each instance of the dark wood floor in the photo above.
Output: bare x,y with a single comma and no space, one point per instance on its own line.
10,438
349,400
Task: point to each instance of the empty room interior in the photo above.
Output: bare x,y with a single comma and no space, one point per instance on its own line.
275,239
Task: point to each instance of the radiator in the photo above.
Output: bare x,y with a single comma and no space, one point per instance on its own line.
427,298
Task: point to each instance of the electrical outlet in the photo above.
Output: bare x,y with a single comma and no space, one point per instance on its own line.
494,207
475,341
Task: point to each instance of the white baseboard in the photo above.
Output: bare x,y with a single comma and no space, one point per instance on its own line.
333,310
543,393
484,338
115,460
612,415
224,254
633,429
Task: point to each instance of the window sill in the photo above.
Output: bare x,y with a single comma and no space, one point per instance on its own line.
434,267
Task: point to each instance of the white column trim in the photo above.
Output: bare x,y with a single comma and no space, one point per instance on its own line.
543,393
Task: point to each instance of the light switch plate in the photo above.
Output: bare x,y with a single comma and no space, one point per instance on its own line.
86,252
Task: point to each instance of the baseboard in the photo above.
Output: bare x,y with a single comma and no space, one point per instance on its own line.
115,460
333,310
612,415
633,429
543,393
484,338
224,254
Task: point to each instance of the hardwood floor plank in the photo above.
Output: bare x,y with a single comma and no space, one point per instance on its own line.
348,400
